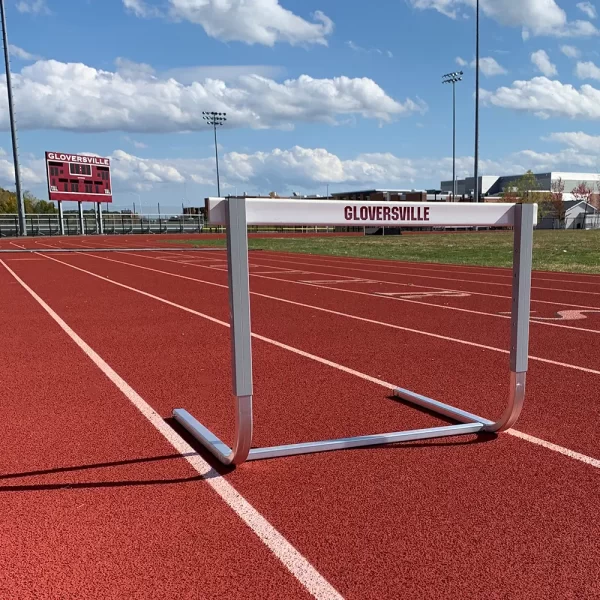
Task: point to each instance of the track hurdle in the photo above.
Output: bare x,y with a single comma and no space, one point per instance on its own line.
237,213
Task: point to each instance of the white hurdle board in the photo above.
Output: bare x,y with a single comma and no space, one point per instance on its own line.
239,212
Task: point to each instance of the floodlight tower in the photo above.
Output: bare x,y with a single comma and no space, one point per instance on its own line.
453,78
214,119
476,166
13,127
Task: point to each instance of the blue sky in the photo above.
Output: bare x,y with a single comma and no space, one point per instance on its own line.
317,92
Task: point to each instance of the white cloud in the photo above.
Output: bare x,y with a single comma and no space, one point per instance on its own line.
542,61
32,171
587,70
446,7
566,159
33,6
577,140
535,17
188,75
570,51
547,98
489,66
293,168
588,9
309,169
135,143
281,169
263,22
141,9
144,172
134,100
22,54
358,48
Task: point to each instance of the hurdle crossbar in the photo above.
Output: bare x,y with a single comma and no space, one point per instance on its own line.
237,213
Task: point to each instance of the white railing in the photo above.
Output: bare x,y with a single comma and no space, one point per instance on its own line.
113,223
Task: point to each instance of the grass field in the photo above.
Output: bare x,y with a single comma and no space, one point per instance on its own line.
554,250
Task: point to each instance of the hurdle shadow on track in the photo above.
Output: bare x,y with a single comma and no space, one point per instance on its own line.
94,484
481,437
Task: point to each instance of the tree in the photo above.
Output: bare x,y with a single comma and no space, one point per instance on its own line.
510,196
582,193
557,202
273,195
525,188
8,203
595,198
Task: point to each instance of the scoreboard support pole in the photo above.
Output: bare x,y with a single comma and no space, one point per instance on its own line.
100,221
61,218
237,213
81,219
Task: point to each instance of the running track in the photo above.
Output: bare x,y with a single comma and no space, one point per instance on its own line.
105,498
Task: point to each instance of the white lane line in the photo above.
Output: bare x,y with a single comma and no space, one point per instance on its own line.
404,265
295,562
428,304
14,259
548,445
594,462
273,272
318,281
371,272
377,295
329,311
429,287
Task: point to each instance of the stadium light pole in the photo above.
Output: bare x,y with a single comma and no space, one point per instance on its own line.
453,78
13,128
476,165
214,119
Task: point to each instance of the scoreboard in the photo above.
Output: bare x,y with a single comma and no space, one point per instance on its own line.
77,178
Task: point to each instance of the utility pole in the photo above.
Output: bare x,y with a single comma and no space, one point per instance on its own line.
214,119
476,168
453,78
13,127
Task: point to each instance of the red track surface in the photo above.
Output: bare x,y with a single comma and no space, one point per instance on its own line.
469,517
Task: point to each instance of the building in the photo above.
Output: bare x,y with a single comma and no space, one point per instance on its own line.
397,195
494,185
578,215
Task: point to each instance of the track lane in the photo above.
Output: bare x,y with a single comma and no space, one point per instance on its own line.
550,314
95,504
476,328
543,292
583,318
402,358
494,273
370,516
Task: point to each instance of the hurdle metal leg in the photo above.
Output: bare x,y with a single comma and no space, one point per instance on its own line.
241,346
237,253
519,330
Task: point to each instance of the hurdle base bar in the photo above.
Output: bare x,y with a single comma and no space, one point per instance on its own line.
468,423
222,451
507,419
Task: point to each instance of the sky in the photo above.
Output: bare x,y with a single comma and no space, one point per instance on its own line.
320,95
